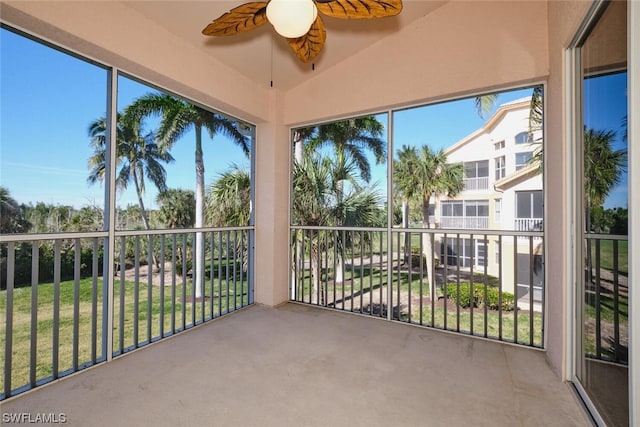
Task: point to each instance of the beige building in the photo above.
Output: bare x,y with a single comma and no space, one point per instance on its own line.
503,190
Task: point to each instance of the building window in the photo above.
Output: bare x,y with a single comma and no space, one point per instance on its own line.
463,252
500,167
522,159
476,175
524,138
499,145
529,210
467,214
498,210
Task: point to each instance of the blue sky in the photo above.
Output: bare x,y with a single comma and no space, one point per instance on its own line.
48,99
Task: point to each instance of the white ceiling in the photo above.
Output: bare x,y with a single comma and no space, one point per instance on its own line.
262,55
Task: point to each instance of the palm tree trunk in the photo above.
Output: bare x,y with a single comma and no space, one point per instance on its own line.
198,267
143,213
407,236
428,248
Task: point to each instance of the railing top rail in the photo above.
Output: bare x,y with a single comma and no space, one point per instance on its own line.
180,230
5,238
335,228
475,231
597,236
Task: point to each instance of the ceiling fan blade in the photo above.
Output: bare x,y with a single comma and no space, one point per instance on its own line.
309,46
240,19
359,9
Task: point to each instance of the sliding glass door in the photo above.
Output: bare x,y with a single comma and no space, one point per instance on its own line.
602,345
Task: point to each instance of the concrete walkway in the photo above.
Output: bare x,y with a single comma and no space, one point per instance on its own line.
302,366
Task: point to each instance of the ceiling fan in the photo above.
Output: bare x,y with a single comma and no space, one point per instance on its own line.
298,20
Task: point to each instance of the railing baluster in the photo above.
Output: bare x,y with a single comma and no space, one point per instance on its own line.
55,343
136,290
485,261
235,262
76,303
458,259
183,296
122,292
33,360
174,264
472,289
362,279
149,285
515,289
444,280
211,276
616,303
421,276
94,301
370,238
380,252
219,273
8,343
500,287
162,271
531,290
433,296
598,304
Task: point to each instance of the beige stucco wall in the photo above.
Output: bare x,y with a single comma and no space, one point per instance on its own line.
463,47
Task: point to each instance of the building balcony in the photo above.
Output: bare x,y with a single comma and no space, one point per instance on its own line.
467,223
297,365
480,183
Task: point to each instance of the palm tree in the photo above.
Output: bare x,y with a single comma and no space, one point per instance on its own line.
137,156
350,138
603,166
420,173
177,208
318,201
228,200
178,118
485,103
11,214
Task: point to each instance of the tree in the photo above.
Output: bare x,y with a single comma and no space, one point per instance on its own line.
12,218
603,167
137,156
178,118
177,208
228,201
420,173
317,201
350,138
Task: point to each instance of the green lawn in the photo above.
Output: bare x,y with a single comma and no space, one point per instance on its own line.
149,318
606,255
359,281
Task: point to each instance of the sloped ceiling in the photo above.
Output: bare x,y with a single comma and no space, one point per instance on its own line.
262,55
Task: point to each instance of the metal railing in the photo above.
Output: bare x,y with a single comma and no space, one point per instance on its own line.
528,224
376,273
606,293
480,183
55,301
468,223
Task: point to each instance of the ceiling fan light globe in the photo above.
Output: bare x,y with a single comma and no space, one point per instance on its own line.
292,18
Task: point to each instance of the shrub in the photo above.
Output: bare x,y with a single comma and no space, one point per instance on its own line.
492,301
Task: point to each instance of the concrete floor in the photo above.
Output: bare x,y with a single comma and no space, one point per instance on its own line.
302,366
